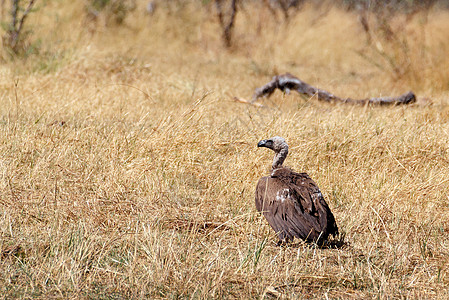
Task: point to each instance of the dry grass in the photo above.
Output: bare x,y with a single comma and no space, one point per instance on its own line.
127,171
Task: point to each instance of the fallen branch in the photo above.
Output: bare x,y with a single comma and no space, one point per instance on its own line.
287,82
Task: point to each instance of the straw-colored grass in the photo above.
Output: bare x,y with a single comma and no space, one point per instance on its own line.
127,171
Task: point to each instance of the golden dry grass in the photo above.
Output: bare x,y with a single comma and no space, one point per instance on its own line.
128,172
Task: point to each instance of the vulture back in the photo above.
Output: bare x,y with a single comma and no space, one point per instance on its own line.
294,206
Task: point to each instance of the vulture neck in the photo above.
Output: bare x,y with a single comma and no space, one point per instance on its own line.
279,157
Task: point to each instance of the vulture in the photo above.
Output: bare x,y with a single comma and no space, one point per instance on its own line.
291,202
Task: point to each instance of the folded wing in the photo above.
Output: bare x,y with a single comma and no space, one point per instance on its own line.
294,206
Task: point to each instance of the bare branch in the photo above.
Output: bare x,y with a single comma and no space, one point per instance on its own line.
226,26
16,26
25,15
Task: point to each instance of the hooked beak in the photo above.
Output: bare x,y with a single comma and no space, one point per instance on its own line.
262,143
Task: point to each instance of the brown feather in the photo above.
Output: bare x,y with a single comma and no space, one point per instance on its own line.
293,205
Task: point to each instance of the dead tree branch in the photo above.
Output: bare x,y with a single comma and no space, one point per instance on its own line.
15,28
287,82
286,5
228,25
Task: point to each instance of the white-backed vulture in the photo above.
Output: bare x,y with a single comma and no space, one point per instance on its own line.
291,202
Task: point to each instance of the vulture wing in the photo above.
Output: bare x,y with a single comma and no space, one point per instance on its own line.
293,205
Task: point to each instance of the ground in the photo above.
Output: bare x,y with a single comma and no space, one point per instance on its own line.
128,171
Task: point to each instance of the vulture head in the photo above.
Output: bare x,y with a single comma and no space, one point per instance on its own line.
280,148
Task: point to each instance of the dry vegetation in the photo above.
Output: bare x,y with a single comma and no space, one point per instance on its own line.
126,170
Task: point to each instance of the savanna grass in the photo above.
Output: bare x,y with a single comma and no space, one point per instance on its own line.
128,172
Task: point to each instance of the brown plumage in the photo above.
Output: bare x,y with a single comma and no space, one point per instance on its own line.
291,202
